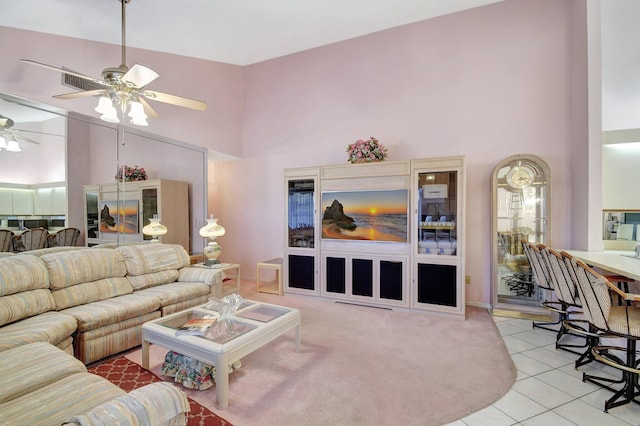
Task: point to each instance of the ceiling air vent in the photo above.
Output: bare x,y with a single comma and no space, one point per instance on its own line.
79,83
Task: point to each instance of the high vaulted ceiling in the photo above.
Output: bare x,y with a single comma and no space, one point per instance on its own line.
237,32
244,32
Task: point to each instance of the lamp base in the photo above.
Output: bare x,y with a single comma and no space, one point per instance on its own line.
211,262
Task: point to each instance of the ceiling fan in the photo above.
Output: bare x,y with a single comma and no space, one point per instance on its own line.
122,86
9,137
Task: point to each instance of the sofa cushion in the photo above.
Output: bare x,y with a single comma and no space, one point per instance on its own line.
149,258
52,327
170,294
26,304
21,273
112,311
54,403
47,250
69,268
32,366
94,291
158,404
152,279
83,276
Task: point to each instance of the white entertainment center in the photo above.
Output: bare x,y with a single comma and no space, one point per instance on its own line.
387,234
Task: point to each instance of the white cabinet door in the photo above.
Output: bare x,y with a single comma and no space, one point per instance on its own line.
59,205
43,201
23,200
6,201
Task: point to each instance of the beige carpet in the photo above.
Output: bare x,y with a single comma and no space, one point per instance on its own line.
364,366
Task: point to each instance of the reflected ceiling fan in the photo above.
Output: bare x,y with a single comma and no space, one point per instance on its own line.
123,87
9,137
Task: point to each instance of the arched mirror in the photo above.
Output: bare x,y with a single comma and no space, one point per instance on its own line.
520,211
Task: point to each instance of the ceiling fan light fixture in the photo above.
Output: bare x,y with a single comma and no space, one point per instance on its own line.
13,146
104,105
3,143
136,112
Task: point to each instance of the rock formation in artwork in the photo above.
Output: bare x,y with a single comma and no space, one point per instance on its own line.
335,214
107,222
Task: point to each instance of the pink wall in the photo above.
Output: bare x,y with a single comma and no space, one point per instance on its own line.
487,83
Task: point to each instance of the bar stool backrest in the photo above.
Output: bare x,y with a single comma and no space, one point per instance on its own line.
594,293
565,287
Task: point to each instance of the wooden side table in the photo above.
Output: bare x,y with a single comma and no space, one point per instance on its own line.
272,287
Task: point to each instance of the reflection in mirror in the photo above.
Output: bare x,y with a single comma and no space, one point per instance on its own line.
40,132
620,229
32,165
88,153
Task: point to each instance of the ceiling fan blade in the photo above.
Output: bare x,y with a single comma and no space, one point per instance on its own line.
175,100
62,70
84,94
36,132
73,95
151,113
23,138
140,75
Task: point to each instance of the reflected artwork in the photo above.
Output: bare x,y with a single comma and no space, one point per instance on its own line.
124,221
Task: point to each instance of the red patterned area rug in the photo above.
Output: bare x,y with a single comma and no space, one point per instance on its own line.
128,375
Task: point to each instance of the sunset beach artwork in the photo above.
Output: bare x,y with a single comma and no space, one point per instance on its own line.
124,223
370,215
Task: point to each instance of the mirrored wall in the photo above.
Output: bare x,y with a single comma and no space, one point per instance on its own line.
67,150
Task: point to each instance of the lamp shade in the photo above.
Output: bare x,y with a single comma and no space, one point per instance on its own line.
154,229
13,146
138,117
212,229
108,111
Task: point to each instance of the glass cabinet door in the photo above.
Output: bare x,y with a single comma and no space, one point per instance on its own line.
301,213
92,226
149,207
520,213
437,213
301,251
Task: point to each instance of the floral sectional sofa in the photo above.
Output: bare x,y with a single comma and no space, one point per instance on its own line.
90,303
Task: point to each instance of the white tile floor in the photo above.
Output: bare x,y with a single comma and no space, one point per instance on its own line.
548,389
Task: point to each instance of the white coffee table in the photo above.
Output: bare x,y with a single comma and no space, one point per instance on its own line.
227,341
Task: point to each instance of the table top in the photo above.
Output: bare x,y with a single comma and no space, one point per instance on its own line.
220,266
619,262
252,318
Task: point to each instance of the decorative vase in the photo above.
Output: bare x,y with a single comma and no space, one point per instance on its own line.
365,160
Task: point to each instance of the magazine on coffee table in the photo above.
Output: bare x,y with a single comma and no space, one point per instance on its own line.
196,326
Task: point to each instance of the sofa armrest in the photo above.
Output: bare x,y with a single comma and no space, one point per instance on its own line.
159,403
195,274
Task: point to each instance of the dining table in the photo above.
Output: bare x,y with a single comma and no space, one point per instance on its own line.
623,263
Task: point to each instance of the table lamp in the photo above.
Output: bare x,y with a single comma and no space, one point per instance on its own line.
154,229
212,250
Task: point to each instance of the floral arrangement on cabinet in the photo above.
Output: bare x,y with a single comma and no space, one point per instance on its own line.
365,151
134,173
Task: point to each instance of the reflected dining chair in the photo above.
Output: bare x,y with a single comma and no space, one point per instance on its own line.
64,237
34,238
622,321
6,237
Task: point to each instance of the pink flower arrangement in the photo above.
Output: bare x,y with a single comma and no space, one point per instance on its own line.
366,151
131,173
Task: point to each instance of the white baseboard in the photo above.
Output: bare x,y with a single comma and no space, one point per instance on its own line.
480,305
